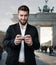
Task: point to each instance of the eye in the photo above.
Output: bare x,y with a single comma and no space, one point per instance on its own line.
26,15
21,15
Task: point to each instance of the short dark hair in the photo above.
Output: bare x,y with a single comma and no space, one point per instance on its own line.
23,8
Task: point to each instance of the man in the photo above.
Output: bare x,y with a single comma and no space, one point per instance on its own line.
1,51
21,40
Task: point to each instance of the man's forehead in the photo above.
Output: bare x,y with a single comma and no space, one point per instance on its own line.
22,11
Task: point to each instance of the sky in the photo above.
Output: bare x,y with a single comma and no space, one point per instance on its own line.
9,7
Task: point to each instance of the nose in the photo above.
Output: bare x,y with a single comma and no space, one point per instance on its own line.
23,17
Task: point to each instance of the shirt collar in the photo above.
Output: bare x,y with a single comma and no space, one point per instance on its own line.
23,27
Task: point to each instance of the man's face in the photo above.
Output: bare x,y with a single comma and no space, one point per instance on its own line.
23,17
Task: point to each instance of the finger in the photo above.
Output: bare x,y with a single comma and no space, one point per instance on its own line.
27,36
18,41
23,38
18,36
26,40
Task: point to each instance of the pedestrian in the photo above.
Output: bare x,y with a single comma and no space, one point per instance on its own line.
1,51
21,40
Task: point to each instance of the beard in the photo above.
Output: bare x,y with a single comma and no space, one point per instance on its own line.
23,23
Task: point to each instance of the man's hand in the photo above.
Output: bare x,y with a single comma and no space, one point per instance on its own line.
28,39
18,39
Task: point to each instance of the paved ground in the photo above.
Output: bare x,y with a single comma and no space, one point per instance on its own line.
41,58
2,61
45,58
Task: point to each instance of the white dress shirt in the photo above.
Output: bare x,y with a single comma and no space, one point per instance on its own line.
21,55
